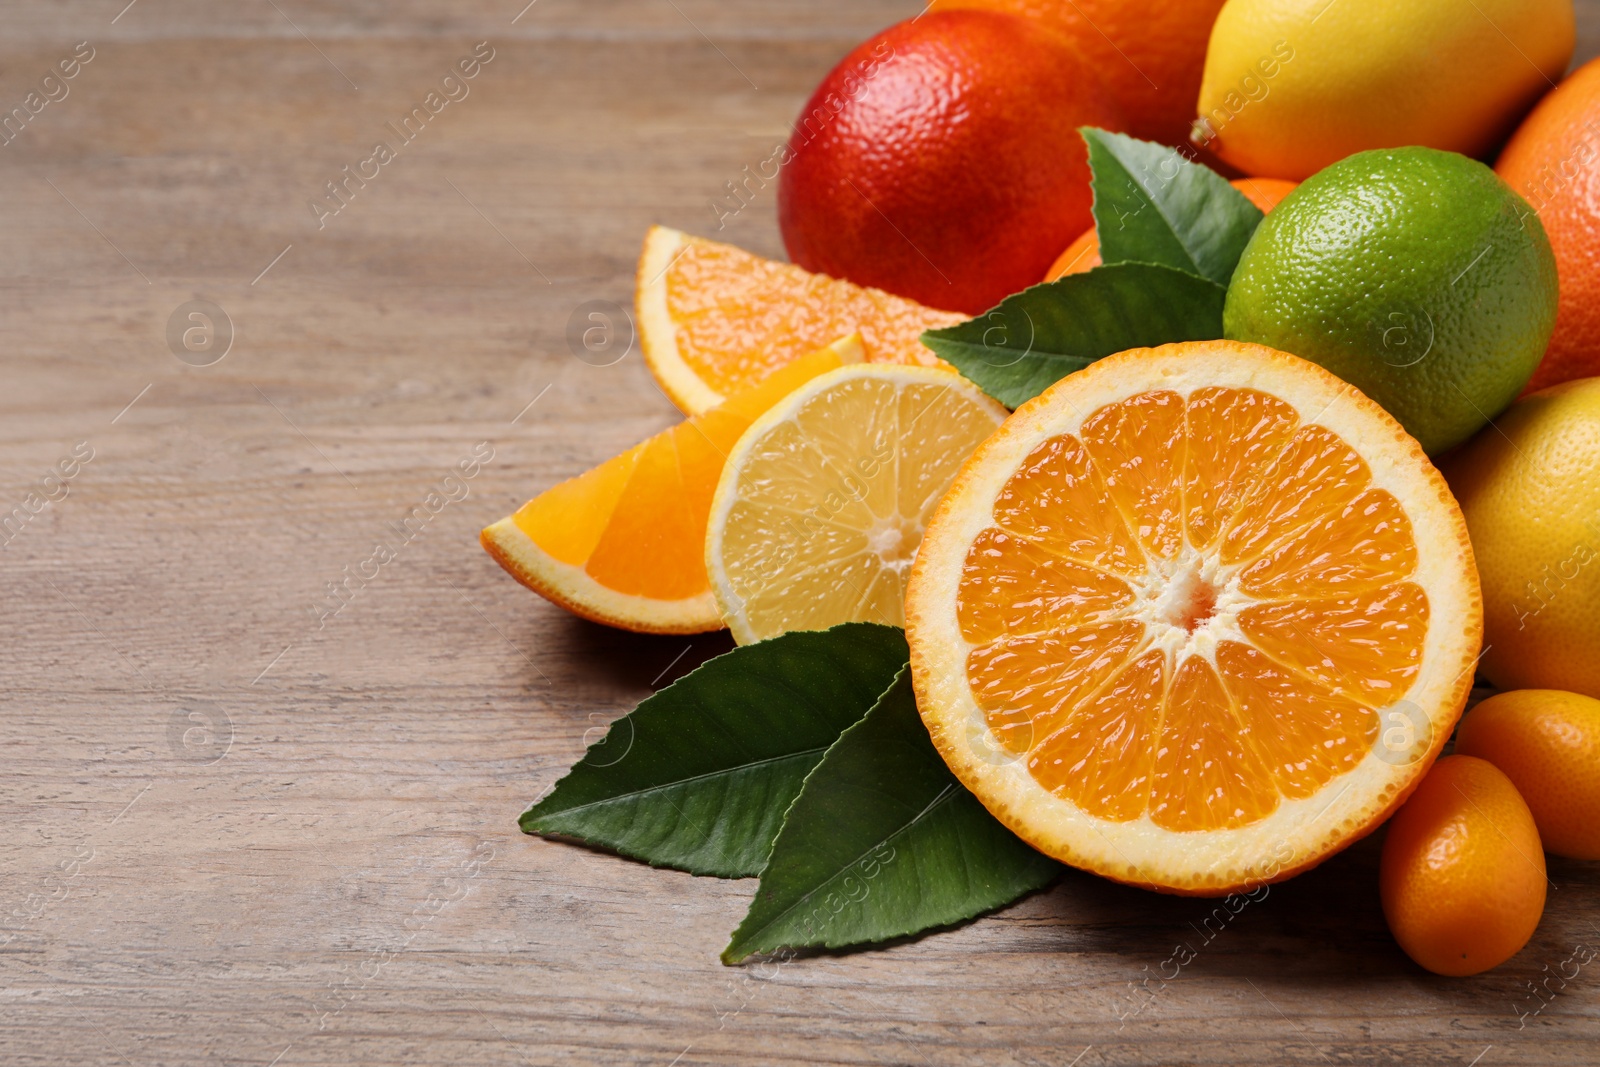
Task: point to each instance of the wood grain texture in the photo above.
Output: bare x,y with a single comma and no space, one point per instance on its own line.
236,833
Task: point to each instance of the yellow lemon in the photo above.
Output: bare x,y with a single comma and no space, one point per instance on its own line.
1291,86
1528,488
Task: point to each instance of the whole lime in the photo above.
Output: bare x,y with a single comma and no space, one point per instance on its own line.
1416,275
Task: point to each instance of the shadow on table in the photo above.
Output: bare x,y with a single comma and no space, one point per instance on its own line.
1320,929
593,655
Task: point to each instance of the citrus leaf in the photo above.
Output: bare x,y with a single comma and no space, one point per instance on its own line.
698,776
1040,335
1151,205
883,841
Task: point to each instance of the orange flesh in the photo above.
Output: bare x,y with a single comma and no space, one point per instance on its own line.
637,523
1191,610
740,317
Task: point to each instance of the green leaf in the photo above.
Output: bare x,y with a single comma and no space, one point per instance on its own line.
883,842
699,775
1040,335
1151,205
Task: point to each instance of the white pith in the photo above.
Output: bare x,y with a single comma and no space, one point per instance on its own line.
574,588
1159,601
658,334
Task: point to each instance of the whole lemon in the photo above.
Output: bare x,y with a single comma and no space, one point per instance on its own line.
1462,874
1291,86
1416,275
1548,743
1529,490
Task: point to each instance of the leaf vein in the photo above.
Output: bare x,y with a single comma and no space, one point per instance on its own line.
660,786
947,792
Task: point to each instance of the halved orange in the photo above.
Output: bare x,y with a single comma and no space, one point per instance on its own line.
624,543
1194,618
714,319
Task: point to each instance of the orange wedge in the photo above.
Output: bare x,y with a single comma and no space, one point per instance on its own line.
624,544
1194,618
714,319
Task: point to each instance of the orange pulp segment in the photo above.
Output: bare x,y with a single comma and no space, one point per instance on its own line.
715,319
624,543
1313,572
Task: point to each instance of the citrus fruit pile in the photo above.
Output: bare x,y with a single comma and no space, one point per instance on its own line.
1202,501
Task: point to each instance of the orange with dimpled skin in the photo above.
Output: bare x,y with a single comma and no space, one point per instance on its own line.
1553,160
1150,56
1462,875
941,161
1548,743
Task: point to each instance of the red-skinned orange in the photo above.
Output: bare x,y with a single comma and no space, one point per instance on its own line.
941,161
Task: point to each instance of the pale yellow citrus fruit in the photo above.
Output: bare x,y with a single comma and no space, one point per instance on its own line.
1195,618
1529,489
715,320
1291,86
822,504
624,543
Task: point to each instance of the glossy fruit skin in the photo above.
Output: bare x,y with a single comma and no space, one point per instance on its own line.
1548,743
1554,161
1084,253
1462,874
941,161
1416,275
1123,40
1531,498
1291,86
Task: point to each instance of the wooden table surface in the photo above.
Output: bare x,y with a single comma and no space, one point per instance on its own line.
243,829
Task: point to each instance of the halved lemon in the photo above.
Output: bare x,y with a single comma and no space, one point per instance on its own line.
714,319
822,503
624,544
1196,618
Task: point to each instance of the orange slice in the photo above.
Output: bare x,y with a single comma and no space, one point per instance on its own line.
624,544
714,319
1195,618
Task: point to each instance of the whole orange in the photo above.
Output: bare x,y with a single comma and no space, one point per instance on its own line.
1553,160
941,161
1150,56
1084,253
1462,874
1548,743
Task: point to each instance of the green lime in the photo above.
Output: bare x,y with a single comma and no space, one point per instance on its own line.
1416,275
